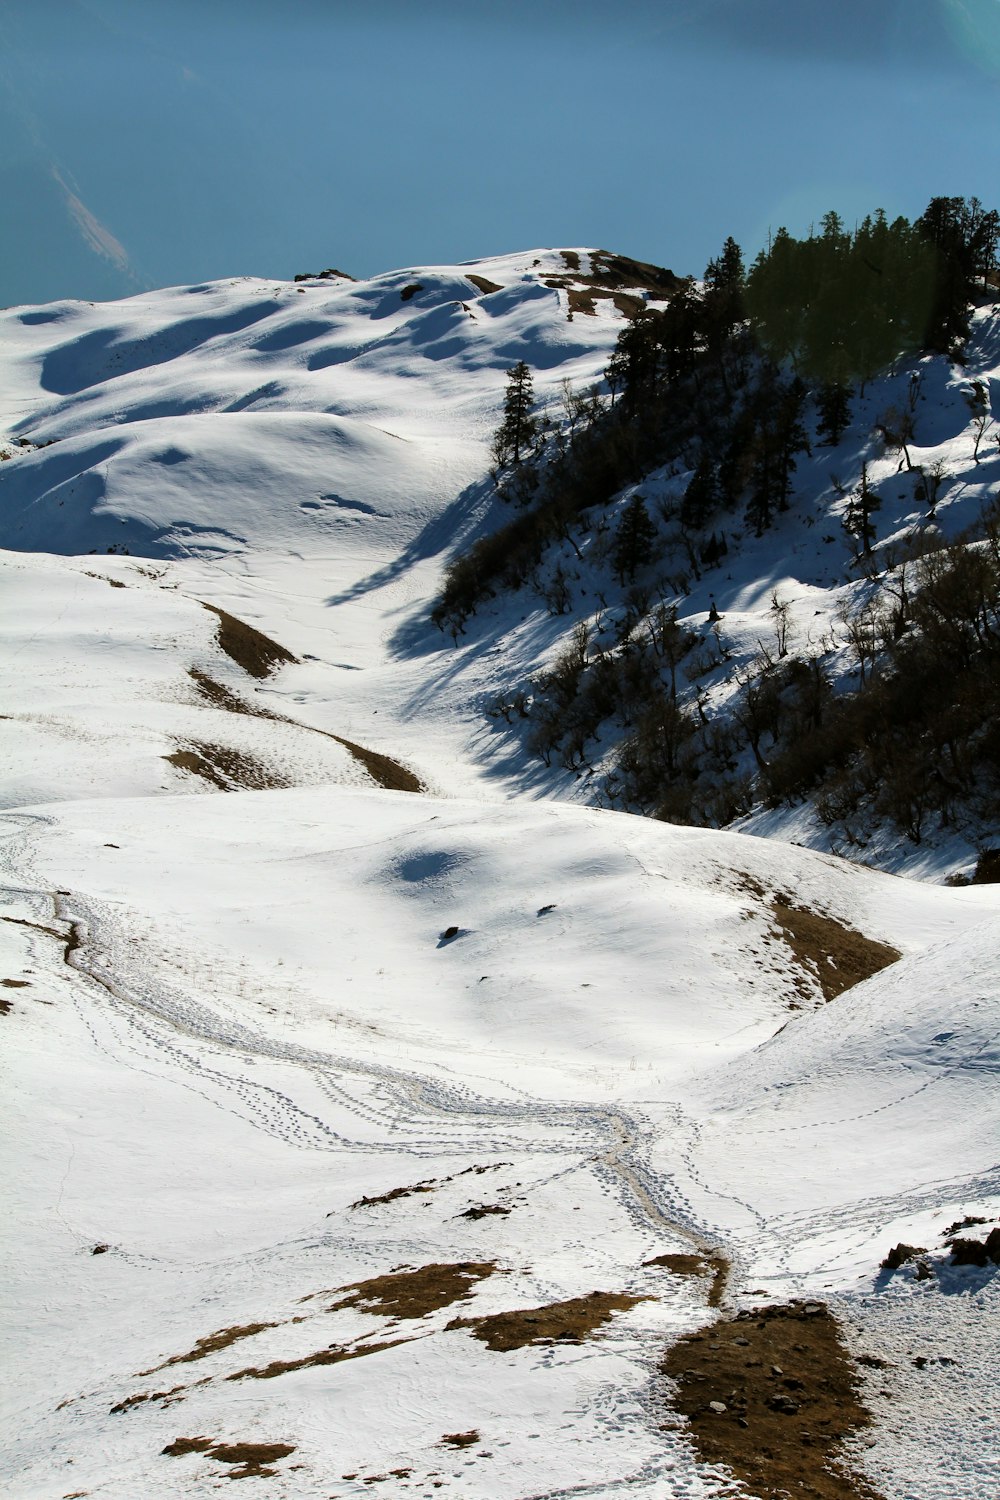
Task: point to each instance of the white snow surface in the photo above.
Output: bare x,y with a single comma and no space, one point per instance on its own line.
233,1015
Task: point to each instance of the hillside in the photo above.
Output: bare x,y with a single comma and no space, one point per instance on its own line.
388,1111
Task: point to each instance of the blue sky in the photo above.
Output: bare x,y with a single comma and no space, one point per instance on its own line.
149,142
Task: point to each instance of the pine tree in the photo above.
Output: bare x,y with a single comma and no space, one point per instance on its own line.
518,427
634,540
702,497
862,505
833,405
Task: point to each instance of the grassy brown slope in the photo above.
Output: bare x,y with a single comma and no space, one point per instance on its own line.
772,1394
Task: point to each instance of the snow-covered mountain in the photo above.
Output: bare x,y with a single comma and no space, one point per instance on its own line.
383,1112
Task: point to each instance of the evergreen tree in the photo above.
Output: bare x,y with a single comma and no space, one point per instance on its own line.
722,303
862,505
518,427
702,496
632,369
833,403
634,539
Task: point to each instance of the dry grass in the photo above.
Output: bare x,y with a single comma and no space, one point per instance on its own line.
567,1322
835,955
383,770
461,1439
772,1394
225,768
622,271
334,1355
715,1266
167,1397
255,652
248,1460
221,697
212,1343
413,1294
393,1194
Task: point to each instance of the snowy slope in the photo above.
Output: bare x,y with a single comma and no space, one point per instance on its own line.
263,1045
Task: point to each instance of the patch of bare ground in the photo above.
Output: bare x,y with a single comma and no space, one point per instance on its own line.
826,952
623,271
411,1294
225,768
250,648
484,285
568,1322
428,1185
460,1439
393,1194
115,583
584,301
334,1354
248,1460
835,955
615,278
383,770
166,1397
772,1394
716,1266
221,697
212,1343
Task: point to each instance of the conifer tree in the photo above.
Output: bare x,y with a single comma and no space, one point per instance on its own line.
702,497
634,540
861,507
833,404
518,427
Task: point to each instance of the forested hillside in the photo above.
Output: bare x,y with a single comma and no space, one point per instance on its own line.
771,534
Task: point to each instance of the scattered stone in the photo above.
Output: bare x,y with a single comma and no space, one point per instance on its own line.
900,1254
968,1253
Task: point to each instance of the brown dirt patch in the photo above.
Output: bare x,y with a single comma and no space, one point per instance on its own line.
333,1355
391,1196
835,955
221,697
412,1294
6,1006
428,1185
584,301
623,271
249,1460
772,1394
460,1439
16,984
225,768
167,1397
255,652
568,1322
484,285
715,1266
383,770
212,1343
